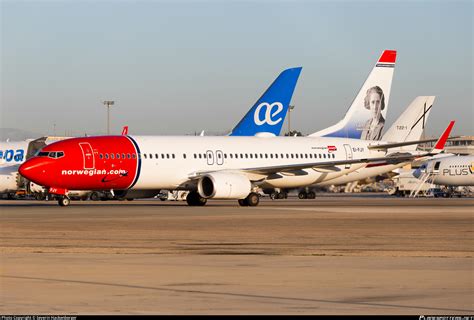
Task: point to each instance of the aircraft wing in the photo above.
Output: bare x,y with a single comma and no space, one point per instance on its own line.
332,165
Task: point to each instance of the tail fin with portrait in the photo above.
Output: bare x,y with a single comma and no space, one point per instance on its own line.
360,122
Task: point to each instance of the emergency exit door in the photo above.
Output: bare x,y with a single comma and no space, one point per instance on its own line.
88,155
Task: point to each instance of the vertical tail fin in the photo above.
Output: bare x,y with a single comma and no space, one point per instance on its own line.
366,116
268,113
439,146
411,123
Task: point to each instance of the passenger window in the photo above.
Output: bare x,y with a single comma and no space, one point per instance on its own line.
106,156
194,156
172,155
296,155
184,155
144,155
261,155
324,156
134,156
246,155
266,155
311,155
271,155
306,155
156,156
231,155
167,156
256,155
200,156
128,155
225,155
118,155
292,156
276,155
111,156
100,156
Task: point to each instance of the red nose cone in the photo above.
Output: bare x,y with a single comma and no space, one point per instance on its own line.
34,169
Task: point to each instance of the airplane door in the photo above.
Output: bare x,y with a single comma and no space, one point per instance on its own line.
219,157
348,155
436,167
210,157
88,155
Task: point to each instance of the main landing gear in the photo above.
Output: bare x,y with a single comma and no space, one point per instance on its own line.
306,195
64,201
252,200
194,199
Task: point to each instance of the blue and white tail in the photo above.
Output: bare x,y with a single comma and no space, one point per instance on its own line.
365,118
268,113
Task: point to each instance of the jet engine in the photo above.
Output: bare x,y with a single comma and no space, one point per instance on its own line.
224,185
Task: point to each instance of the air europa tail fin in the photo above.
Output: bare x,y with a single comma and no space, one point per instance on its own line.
411,123
366,116
268,113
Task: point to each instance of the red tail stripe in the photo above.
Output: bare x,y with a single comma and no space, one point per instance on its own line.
444,137
388,56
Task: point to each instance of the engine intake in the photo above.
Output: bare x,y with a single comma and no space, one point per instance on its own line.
224,185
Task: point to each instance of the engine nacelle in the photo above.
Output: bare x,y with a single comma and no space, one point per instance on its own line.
224,185
9,179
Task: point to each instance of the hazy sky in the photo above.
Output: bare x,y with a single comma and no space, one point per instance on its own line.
176,67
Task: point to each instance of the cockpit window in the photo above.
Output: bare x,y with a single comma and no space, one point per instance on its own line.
51,154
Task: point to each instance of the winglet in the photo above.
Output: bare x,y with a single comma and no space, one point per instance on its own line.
439,146
125,131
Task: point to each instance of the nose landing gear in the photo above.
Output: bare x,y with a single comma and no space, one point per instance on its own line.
64,201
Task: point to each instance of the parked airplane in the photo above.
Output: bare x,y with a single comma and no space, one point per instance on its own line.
456,170
12,154
209,167
409,127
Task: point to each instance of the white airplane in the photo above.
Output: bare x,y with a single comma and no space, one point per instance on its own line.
209,167
456,170
12,155
409,126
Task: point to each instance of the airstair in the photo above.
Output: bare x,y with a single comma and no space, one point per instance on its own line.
426,177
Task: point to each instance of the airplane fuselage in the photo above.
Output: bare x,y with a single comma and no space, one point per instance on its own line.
173,162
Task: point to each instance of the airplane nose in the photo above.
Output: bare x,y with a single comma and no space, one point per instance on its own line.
34,169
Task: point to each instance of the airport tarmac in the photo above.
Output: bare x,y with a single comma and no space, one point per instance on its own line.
331,255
